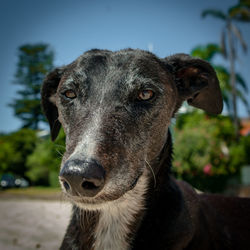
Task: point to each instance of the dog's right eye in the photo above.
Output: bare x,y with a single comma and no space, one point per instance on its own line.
70,94
145,95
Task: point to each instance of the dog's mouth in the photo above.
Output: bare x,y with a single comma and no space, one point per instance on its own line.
134,183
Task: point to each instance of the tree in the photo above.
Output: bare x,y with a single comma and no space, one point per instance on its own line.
14,150
237,13
208,53
35,61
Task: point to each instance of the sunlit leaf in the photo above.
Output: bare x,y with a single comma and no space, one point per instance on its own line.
206,52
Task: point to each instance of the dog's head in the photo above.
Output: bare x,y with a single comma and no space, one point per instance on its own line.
115,108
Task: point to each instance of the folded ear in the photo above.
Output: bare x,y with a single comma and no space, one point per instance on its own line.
48,92
196,82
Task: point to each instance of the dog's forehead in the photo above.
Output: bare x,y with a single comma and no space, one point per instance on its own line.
101,65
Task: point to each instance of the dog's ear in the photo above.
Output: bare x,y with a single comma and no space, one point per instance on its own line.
48,92
196,82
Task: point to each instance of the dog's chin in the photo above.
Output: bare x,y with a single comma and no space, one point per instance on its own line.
98,203
101,201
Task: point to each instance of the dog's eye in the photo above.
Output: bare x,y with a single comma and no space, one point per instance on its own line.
70,94
145,95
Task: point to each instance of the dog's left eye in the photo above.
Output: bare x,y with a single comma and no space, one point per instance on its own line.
145,95
70,94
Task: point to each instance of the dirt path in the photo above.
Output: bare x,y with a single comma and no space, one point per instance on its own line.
32,224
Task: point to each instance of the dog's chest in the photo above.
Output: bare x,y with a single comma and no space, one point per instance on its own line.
112,230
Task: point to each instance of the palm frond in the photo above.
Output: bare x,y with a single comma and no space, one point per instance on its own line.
242,98
226,99
215,13
222,70
238,34
224,78
223,43
241,82
206,52
245,3
240,12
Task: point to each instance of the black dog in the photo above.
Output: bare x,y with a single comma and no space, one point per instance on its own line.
115,108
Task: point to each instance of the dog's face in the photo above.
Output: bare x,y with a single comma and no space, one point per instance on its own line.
115,108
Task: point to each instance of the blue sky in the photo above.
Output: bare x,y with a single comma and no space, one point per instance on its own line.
74,26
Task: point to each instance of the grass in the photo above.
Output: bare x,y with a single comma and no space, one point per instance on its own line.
49,193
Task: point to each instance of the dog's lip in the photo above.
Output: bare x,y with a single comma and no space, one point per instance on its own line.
100,199
135,182
80,199
97,200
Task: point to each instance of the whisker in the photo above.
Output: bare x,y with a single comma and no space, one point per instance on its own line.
152,171
58,145
81,213
61,154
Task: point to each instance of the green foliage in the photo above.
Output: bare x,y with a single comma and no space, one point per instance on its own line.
208,53
215,13
205,151
38,159
14,150
240,152
229,36
43,164
35,61
241,11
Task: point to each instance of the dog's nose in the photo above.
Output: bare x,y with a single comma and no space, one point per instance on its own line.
82,178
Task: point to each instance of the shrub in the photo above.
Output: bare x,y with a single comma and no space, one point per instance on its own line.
205,152
43,164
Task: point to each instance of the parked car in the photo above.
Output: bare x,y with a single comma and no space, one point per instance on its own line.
21,182
10,181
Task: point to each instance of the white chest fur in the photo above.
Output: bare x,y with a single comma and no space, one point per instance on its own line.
113,226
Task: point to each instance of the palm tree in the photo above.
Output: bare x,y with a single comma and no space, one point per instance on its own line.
231,33
208,53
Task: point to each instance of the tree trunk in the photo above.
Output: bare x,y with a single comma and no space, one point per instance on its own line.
233,78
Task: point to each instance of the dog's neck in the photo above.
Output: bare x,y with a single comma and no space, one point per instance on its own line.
163,163
115,226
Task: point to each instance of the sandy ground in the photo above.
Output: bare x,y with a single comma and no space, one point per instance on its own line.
28,224
32,224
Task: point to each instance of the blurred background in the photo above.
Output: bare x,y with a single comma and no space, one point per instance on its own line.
211,152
